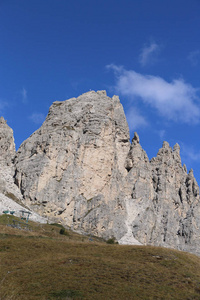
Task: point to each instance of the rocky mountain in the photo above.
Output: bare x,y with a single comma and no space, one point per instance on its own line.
79,168
11,198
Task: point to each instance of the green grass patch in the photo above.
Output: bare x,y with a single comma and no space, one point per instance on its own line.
44,265
57,225
70,294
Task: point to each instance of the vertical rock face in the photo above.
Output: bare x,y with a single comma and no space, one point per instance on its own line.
7,145
10,195
81,170
7,152
165,199
72,167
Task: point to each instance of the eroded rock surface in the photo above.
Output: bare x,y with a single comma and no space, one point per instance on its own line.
7,153
7,145
164,199
80,169
72,168
11,198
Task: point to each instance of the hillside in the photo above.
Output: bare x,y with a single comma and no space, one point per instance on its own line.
43,264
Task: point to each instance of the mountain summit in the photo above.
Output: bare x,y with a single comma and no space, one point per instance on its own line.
80,169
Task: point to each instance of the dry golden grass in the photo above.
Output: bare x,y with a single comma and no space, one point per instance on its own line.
42,264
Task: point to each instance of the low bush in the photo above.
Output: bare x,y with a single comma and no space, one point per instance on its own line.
111,241
62,231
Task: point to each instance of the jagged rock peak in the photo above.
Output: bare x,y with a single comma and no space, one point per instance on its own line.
176,147
169,155
2,120
176,153
185,168
166,145
191,173
135,139
102,92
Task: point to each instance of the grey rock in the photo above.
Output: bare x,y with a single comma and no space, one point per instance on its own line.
80,169
72,168
7,145
11,198
7,153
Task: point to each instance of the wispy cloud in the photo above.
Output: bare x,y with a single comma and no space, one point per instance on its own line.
135,119
194,57
3,105
148,53
161,133
189,154
37,118
176,100
24,95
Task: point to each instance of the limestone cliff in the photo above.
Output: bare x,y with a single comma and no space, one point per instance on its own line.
7,152
164,199
80,169
10,196
72,168
7,145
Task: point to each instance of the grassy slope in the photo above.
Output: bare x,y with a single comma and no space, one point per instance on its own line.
42,264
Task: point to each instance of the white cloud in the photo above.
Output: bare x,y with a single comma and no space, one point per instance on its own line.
190,152
189,155
193,155
3,105
37,118
117,69
194,57
176,100
148,54
161,133
135,119
24,95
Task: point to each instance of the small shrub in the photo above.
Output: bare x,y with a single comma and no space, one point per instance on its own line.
62,231
111,241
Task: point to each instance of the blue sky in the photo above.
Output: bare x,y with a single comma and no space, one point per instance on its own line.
147,52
